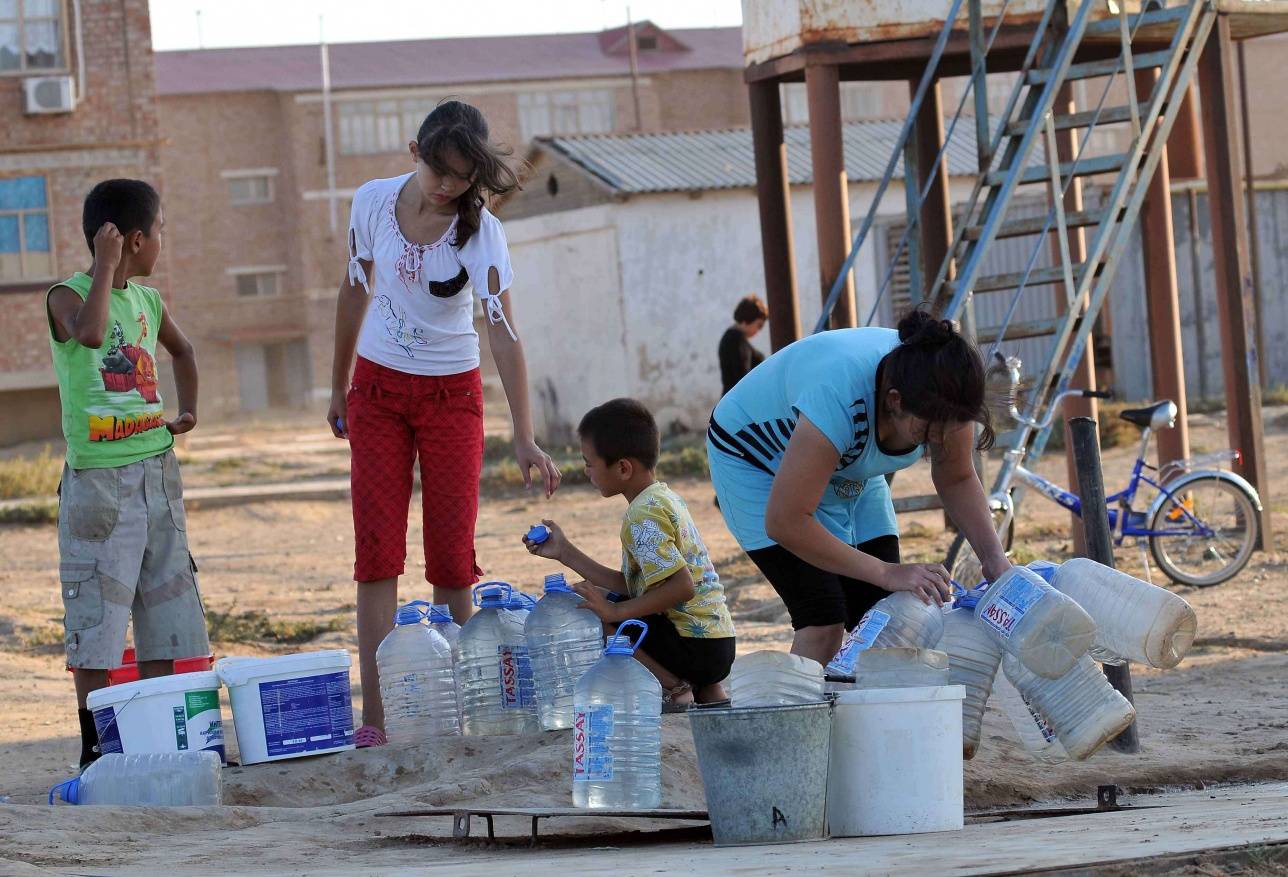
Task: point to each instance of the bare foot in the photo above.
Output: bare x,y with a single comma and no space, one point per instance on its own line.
713,693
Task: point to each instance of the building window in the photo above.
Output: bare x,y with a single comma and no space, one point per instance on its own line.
369,127
257,282
546,113
250,186
860,101
646,43
25,251
31,36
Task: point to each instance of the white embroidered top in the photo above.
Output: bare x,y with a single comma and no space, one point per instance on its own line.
420,318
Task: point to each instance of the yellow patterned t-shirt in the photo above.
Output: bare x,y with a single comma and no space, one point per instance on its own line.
658,538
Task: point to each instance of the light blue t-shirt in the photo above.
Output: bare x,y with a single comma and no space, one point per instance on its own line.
831,378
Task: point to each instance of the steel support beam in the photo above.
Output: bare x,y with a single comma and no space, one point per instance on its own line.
774,197
1184,144
1233,271
1162,299
831,201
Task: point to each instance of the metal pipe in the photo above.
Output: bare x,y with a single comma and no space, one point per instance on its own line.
1254,240
328,145
1100,544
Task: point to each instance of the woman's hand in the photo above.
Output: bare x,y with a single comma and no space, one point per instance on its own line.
928,581
995,567
554,546
597,602
527,455
337,414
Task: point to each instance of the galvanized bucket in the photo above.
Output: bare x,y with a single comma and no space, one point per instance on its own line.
765,771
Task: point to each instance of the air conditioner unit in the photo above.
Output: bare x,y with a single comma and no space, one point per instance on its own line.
49,94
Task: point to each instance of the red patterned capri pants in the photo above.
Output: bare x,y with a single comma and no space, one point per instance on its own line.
393,419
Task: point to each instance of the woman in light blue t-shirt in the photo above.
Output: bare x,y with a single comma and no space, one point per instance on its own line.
799,451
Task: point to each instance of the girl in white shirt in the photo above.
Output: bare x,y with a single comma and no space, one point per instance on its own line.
417,243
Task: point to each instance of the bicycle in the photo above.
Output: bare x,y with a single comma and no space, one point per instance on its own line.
1201,526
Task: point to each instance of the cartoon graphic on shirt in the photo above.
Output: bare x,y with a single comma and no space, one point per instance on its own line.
128,367
396,326
653,547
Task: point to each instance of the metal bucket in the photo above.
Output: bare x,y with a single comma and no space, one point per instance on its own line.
765,771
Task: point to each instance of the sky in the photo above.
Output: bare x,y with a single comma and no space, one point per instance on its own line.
281,22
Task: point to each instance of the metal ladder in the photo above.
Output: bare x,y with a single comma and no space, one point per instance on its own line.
1011,161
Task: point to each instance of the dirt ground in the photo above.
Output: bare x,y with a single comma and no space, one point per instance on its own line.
1223,715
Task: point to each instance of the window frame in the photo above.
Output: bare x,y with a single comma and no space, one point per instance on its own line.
267,174
64,49
259,272
550,107
27,279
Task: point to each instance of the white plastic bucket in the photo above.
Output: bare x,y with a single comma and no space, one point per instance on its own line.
178,713
896,765
291,705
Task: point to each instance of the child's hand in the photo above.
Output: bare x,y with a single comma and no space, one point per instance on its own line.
108,243
597,602
554,546
185,422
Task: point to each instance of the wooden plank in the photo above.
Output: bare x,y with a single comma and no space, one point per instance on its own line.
544,812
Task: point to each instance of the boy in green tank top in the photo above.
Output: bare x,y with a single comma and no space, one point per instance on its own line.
123,549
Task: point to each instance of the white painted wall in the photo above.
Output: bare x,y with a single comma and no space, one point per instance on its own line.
631,298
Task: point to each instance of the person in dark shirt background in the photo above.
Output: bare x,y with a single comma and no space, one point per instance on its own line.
737,356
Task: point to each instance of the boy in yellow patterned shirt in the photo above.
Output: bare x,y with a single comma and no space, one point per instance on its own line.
666,570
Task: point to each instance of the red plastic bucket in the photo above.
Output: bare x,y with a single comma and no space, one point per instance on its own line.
129,669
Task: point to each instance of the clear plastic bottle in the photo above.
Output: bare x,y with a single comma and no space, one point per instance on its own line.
154,779
494,673
564,641
1083,708
1033,729
973,659
617,731
772,678
900,619
1135,621
1047,631
440,619
417,678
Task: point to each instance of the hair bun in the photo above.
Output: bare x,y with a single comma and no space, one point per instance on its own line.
921,329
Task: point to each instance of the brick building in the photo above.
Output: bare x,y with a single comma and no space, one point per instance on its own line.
255,260
78,102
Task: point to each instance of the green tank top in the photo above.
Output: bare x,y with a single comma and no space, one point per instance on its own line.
111,401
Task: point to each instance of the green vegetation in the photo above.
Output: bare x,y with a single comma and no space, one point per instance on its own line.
255,626
30,476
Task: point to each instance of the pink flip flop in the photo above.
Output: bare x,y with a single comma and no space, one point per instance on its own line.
368,736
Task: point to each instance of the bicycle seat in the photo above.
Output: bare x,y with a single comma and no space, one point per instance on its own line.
1160,415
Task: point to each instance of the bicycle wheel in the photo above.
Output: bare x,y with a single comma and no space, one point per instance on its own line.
962,564
1188,557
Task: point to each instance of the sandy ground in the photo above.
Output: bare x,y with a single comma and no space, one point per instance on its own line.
1222,716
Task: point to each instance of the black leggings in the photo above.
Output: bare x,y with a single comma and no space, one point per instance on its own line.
817,598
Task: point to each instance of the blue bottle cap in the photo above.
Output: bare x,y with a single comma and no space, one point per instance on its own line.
68,790
440,613
412,613
1045,568
538,533
556,584
618,643
493,595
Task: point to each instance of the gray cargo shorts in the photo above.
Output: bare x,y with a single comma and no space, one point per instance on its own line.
124,551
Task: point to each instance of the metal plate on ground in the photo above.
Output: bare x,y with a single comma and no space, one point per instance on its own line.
461,816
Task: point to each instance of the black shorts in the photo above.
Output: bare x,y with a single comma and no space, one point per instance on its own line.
817,598
698,661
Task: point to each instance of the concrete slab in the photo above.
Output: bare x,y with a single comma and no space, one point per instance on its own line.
1164,825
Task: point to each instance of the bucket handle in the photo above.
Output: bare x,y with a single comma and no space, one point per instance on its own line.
643,626
506,586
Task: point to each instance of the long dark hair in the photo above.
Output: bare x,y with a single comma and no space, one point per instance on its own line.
939,375
455,126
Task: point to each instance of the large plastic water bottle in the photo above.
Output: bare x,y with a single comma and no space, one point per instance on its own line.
900,619
494,673
1135,620
521,604
973,658
564,641
417,678
152,779
1047,631
440,619
617,730
1034,730
1083,708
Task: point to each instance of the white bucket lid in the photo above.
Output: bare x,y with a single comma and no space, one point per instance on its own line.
921,694
239,671
203,680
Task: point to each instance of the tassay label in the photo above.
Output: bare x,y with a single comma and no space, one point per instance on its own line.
514,673
591,728
1009,604
862,637
1044,727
